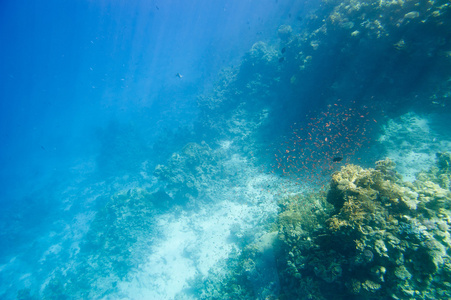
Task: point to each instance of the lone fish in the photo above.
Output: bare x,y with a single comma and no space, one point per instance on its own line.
337,159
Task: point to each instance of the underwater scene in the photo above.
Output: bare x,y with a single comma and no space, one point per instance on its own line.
226,149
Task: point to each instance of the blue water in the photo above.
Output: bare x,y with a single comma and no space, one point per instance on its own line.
94,95
63,77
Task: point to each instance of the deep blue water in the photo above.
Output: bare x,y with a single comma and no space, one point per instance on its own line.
94,95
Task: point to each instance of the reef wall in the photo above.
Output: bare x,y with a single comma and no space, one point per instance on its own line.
388,54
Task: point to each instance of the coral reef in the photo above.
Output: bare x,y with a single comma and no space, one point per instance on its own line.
412,141
250,273
187,172
371,236
384,239
284,32
389,31
387,54
117,240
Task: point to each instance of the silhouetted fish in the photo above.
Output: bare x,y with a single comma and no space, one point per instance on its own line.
337,159
281,59
283,50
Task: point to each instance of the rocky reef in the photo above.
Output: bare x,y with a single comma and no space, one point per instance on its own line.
383,238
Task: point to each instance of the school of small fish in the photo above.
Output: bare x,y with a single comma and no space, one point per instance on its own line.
329,138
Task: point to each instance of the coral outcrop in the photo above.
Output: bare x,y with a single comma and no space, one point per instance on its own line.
187,172
384,238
